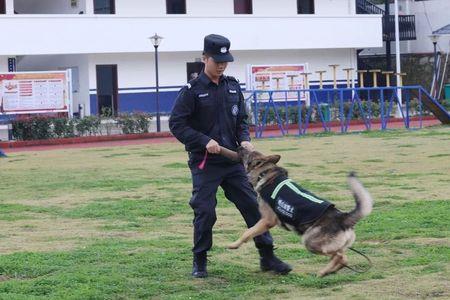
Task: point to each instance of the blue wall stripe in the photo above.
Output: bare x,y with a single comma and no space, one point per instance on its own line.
146,101
180,86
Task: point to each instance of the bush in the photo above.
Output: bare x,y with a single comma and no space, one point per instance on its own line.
142,122
126,122
106,116
134,123
63,127
40,127
89,124
22,130
34,128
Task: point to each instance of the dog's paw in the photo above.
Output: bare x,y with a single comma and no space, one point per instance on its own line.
321,274
234,245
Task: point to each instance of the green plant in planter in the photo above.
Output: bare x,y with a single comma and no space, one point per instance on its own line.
142,122
22,130
34,128
63,127
89,124
127,123
41,128
107,117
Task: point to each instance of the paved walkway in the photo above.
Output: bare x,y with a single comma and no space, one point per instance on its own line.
267,133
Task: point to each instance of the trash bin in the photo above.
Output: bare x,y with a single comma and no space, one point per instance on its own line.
447,91
325,109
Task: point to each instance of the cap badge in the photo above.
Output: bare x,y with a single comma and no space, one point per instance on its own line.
223,50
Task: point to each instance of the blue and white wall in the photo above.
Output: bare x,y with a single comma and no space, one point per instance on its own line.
136,72
54,36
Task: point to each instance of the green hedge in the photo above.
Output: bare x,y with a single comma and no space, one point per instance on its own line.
44,127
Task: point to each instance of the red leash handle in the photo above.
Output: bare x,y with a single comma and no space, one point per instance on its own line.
202,164
232,155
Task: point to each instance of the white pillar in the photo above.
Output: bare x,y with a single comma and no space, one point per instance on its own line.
9,7
351,7
398,61
3,64
354,65
89,7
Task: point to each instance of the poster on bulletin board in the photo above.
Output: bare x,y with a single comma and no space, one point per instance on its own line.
35,92
286,78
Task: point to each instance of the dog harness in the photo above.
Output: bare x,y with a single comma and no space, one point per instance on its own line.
293,204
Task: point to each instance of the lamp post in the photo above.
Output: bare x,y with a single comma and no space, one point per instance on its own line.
156,41
434,39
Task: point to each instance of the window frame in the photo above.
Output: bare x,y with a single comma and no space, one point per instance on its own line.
112,6
249,6
176,13
311,5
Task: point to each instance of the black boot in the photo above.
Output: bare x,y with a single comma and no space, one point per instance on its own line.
269,262
199,266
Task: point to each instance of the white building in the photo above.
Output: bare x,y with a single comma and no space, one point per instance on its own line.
106,44
430,15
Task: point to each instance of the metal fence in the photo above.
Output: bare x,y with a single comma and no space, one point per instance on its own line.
337,107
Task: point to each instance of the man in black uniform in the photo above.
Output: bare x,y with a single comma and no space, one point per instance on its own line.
209,112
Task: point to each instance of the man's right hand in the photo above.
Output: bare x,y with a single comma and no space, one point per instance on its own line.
213,147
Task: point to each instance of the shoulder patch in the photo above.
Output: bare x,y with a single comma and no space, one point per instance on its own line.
191,83
232,79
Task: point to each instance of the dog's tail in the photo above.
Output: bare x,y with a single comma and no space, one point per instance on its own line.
363,201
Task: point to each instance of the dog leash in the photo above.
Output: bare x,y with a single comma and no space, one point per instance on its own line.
363,255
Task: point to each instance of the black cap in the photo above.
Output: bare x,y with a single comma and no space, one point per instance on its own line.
218,47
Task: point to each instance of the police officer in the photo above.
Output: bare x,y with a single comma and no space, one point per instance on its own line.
209,112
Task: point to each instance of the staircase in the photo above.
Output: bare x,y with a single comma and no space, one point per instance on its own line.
407,23
366,7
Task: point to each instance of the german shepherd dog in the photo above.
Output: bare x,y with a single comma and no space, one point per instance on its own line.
327,230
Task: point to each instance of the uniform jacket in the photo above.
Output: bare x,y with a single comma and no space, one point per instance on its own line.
204,110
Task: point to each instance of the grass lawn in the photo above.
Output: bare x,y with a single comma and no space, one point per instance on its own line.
114,223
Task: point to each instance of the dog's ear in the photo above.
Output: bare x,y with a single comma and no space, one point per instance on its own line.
273,158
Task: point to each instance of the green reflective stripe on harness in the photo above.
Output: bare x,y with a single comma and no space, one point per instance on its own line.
289,183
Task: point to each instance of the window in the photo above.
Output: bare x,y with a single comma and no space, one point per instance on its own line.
243,7
104,7
2,7
305,6
176,6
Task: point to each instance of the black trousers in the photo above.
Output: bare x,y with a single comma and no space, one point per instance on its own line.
233,180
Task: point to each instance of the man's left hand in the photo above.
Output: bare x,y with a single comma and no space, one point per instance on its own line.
247,145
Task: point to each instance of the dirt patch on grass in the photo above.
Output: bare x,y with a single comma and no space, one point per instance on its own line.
402,287
57,234
393,287
429,241
69,201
